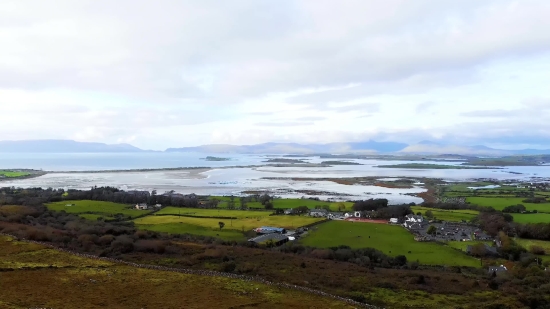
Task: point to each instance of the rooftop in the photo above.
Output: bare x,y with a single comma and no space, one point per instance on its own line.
267,237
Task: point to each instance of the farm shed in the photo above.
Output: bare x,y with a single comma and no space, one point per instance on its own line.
277,239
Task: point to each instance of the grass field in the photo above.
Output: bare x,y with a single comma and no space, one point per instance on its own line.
527,243
288,203
10,174
448,215
97,208
390,239
532,218
500,203
186,228
213,212
241,224
37,277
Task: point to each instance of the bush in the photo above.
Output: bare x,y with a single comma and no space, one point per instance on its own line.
537,250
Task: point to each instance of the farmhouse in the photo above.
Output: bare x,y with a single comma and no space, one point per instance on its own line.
276,239
142,206
497,269
318,213
336,216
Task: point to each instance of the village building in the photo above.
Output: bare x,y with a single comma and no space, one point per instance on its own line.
142,206
274,238
318,213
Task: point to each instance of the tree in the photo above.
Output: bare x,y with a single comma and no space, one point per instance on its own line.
268,205
221,224
432,230
341,206
419,213
429,214
478,250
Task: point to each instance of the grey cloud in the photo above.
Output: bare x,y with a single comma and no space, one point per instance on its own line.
217,50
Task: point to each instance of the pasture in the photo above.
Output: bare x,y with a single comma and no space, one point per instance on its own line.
500,203
532,218
455,215
213,212
34,276
11,174
287,203
88,208
527,243
390,239
242,224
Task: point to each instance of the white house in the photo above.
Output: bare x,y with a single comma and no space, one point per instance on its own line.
142,206
394,220
158,205
414,219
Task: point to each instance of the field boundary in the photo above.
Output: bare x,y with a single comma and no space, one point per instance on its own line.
208,273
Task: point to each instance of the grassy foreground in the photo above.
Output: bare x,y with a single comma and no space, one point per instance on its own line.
37,277
390,239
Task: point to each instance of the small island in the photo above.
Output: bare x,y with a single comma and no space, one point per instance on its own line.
340,163
434,166
210,158
19,174
283,160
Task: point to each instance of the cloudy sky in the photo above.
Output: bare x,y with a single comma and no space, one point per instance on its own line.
166,73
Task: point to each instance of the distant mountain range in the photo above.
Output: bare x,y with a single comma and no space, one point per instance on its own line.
62,146
368,147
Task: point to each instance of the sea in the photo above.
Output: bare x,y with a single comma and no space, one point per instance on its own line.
239,174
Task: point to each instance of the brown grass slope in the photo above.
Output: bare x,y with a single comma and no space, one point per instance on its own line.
32,276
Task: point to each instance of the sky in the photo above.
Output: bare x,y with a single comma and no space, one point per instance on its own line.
175,73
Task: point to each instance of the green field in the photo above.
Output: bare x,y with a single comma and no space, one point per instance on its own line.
10,174
240,224
390,239
532,218
500,203
185,228
448,215
94,209
287,203
241,214
527,243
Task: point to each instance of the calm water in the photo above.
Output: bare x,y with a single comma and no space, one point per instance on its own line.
225,181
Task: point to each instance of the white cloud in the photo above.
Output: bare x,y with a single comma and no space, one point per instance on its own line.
176,73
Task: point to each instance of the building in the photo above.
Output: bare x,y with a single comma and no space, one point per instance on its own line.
335,216
497,269
318,213
414,219
394,220
289,211
274,238
142,206
270,230
158,206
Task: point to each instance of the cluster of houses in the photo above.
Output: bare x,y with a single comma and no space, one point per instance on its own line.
144,206
334,215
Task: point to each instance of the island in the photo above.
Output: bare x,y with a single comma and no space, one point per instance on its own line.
210,158
283,160
340,163
435,166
